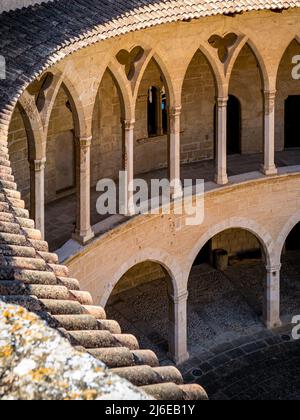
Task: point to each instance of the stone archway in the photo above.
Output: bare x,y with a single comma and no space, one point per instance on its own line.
146,300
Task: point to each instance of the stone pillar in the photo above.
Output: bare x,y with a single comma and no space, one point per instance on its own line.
271,309
37,194
221,177
174,151
83,232
128,165
178,328
269,167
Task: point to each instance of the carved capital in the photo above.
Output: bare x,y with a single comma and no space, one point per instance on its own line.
180,298
273,269
128,125
84,142
269,99
222,102
175,111
38,165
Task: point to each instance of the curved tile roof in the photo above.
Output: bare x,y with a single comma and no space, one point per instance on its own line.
34,38
31,277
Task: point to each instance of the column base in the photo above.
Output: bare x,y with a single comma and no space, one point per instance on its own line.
269,171
83,238
272,325
221,179
179,360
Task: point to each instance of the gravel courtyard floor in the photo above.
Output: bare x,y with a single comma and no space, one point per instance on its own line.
232,354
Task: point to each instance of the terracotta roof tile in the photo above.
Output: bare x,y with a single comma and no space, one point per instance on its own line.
30,276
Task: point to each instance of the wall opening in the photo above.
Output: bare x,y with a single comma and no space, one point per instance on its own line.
291,122
289,276
233,126
226,290
140,303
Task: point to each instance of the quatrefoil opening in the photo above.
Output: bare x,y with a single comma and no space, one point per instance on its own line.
223,44
129,60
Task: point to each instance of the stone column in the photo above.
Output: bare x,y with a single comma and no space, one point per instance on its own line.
128,165
271,309
178,328
174,151
83,232
269,167
37,194
221,177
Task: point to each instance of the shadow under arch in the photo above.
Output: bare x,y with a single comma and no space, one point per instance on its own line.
282,237
148,255
264,238
166,78
264,76
33,128
214,69
295,38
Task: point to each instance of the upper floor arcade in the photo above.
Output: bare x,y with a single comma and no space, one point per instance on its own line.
172,97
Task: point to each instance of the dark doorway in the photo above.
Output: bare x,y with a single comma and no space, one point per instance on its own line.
153,112
233,126
291,120
293,240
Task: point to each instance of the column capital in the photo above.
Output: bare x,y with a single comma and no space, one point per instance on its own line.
180,297
38,164
84,142
128,125
270,94
222,101
273,268
175,111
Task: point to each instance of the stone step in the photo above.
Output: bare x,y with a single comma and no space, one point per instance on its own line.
26,223
146,375
99,339
12,239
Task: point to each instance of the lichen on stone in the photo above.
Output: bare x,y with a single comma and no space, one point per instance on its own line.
37,363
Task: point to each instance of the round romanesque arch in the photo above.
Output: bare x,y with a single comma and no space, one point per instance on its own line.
282,237
265,239
157,256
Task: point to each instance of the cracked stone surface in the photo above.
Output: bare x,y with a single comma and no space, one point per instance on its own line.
36,363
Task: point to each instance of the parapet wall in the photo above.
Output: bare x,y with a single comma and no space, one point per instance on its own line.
6,5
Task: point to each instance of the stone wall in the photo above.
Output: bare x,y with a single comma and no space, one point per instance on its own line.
140,274
236,241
